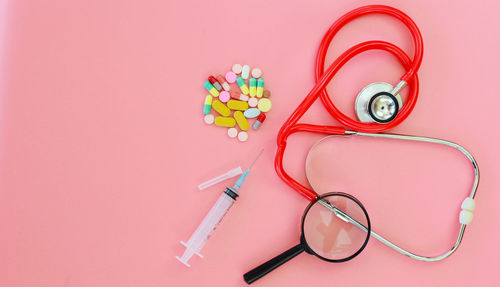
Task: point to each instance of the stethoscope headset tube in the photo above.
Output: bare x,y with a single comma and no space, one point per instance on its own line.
323,77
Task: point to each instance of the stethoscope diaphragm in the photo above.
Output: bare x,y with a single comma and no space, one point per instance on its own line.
383,107
375,103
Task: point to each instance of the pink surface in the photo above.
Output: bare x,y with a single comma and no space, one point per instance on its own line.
328,235
102,142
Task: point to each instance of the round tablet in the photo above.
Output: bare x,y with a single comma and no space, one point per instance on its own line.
253,102
256,73
231,77
237,68
224,96
264,105
243,136
209,119
232,132
266,94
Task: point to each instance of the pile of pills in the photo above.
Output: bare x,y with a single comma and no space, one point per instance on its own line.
235,98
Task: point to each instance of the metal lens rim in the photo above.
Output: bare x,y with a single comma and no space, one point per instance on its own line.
368,227
396,104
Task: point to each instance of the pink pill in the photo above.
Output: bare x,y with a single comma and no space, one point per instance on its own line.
230,77
234,94
224,96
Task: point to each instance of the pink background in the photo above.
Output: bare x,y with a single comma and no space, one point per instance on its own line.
102,142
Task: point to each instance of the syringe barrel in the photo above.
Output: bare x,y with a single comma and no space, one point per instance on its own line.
211,220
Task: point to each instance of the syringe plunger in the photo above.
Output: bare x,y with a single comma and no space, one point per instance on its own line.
207,226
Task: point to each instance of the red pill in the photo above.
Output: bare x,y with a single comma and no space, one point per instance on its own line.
258,122
215,83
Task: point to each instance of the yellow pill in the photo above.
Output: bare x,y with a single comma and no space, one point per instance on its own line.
208,104
253,87
221,108
260,87
211,89
237,105
225,122
241,120
264,105
243,85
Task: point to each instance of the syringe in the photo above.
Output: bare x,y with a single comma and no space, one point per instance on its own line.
212,219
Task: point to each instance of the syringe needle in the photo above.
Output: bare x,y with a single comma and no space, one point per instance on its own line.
242,178
256,158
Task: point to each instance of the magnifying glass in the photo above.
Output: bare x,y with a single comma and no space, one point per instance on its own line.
335,228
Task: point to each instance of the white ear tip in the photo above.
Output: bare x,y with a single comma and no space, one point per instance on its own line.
466,217
466,214
468,204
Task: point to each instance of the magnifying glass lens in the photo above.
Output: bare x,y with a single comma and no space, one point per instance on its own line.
328,228
335,228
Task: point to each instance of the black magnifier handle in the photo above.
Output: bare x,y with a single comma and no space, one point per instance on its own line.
272,264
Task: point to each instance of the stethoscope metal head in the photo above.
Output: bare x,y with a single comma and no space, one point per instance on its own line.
376,103
383,107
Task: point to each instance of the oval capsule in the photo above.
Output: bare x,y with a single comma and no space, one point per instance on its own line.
242,85
208,105
251,113
208,86
224,83
237,105
259,121
241,120
221,108
215,83
253,87
238,96
245,72
225,122
260,87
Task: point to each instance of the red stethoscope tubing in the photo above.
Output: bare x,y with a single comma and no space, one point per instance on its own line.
323,78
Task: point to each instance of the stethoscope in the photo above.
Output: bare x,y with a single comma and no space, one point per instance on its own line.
378,107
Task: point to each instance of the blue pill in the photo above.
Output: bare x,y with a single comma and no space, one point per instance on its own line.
251,113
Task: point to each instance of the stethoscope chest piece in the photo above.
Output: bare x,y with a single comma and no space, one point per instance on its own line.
375,103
